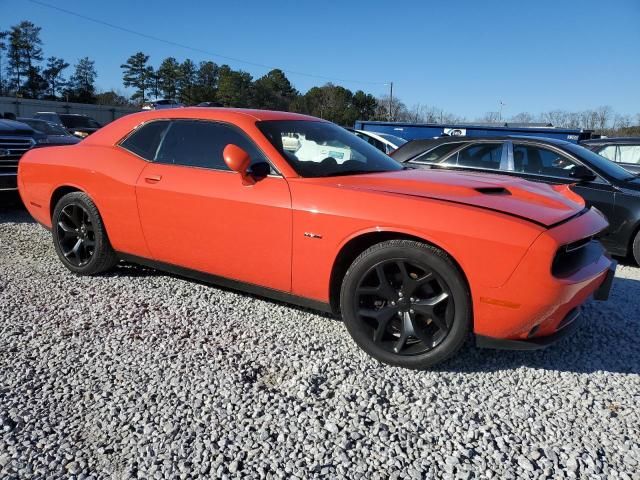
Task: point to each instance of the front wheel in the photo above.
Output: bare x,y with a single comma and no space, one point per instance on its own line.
79,236
406,304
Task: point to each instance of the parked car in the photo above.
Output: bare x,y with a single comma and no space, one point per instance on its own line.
79,125
413,260
161,104
603,184
384,142
622,150
209,104
15,139
56,134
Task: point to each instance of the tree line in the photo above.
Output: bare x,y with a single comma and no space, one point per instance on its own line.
25,72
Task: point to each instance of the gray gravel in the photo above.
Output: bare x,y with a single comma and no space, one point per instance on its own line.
140,374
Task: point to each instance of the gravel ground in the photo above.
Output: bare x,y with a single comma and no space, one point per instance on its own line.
141,374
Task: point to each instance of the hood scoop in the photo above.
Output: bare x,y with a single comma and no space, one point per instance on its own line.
493,190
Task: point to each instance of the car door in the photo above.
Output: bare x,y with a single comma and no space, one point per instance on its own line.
196,213
549,164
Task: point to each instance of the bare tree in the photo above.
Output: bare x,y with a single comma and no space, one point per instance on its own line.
522,117
490,117
603,114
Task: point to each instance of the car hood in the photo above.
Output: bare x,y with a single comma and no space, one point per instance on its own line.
11,127
537,202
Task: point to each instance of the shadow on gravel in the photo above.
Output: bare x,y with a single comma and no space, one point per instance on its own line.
608,341
126,269
12,210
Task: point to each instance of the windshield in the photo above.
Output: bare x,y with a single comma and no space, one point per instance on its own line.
605,166
45,127
79,121
322,149
397,141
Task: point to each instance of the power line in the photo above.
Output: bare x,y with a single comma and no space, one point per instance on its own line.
196,49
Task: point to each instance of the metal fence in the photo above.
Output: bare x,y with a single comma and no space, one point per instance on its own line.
23,107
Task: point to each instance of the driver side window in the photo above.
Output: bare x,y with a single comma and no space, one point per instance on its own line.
541,161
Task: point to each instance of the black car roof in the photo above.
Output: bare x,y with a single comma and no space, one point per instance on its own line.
415,147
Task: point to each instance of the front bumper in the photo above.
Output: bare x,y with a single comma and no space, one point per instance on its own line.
569,325
566,327
535,302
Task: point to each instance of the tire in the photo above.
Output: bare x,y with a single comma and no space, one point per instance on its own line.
636,248
419,316
79,236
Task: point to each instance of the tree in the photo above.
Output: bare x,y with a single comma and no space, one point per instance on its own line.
398,109
363,105
24,54
522,117
82,83
169,77
112,98
3,48
137,74
52,74
186,81
206,85
273,91
234,87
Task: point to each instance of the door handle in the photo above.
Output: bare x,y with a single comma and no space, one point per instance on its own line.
153,178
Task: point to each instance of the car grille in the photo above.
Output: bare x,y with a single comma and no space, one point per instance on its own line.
11,149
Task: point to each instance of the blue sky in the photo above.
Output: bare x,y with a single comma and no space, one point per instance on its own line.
462,56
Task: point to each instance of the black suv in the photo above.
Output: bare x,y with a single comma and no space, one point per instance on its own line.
15,139
603,184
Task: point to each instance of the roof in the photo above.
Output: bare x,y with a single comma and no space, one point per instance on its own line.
212,112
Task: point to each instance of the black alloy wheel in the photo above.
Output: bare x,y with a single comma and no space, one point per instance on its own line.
79,236
406,303
407,306
76,234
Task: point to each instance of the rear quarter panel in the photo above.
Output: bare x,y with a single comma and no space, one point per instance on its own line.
107,174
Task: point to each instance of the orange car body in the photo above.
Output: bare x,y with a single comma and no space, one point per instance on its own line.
291,235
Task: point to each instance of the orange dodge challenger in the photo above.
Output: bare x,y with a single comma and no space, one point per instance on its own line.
298,209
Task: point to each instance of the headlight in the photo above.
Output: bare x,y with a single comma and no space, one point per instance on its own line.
80,134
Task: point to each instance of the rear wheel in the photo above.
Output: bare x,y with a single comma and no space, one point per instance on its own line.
79,236
406,304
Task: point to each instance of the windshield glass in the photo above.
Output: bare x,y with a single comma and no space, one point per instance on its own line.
79,121
322,149
45,127
607,167
397,141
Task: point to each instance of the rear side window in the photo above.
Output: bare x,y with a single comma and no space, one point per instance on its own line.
609,152
144,141
437,154
541,161
481,155
196,143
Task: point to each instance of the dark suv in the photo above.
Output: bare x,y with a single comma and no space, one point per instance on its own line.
15,139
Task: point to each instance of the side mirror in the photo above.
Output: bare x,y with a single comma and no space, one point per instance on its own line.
239,161
582,173
259,170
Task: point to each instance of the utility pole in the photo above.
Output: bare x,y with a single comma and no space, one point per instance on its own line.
502,104
390,100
